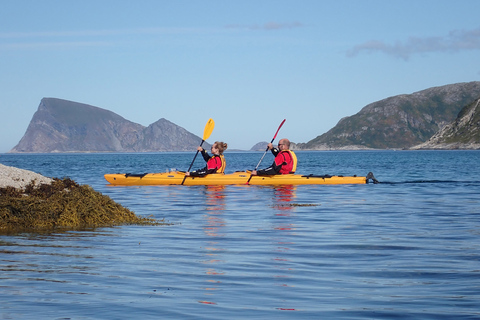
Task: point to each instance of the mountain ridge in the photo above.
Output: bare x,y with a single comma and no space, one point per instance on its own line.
398,122
405,121
66,126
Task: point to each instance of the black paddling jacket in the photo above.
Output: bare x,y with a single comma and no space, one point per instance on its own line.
284,163
215,164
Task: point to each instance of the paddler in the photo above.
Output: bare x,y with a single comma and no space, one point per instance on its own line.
285,161
215,163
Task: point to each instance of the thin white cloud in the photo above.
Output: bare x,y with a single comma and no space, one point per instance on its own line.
267,26
105,37
53,45
455,41
83,38
96,33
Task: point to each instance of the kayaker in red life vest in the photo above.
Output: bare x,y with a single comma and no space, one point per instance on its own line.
285,160
215,163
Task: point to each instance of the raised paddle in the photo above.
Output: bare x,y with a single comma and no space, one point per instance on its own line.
206,134
281,124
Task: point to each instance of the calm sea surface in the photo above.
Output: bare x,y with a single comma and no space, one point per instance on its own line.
408,247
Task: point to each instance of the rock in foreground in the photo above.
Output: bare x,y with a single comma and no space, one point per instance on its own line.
61,204
19,178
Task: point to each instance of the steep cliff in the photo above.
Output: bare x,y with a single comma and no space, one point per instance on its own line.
463,133
401,121
67,126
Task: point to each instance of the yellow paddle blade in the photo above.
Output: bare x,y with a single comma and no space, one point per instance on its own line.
208,129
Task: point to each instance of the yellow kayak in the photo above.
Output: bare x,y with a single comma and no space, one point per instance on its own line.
242,177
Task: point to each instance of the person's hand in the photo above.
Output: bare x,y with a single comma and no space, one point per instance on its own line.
254,173
200,149
187,174
270,146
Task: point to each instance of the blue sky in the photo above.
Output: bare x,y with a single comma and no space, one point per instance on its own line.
246,64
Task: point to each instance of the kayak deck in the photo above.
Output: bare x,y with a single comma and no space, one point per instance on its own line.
236,178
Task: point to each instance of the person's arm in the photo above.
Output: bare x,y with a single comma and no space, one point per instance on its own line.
275,151
203,172
205,155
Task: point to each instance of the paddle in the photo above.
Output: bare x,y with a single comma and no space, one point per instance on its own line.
206,134
281,124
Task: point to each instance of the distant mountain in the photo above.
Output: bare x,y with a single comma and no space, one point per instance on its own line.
260,146
463,133
401,121
67,126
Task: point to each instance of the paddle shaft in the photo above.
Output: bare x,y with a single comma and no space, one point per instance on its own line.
191,164
281,124
206,134
196,154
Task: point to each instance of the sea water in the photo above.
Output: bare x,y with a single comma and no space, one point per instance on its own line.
408,247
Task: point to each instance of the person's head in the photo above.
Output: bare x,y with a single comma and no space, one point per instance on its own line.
218,147
284,144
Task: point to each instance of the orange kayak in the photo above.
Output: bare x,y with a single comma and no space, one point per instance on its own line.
236,178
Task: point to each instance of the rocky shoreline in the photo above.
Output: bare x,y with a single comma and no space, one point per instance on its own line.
447,146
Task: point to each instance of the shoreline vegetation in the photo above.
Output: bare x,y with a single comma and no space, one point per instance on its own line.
30,202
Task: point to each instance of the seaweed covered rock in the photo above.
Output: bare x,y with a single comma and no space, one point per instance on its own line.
61,204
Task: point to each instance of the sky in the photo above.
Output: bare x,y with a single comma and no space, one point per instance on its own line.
246,64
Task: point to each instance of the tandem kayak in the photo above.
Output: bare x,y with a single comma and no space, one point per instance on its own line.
236,178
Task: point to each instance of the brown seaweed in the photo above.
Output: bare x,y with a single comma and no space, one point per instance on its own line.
63,204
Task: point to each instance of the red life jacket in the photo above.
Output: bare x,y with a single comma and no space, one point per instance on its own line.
285,158
217,162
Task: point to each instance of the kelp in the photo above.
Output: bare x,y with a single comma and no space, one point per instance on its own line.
295,205
63,204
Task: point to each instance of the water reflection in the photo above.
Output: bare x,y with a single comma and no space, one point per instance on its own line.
214,225
283,197
284,233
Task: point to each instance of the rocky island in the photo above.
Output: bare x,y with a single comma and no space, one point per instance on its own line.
67,126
